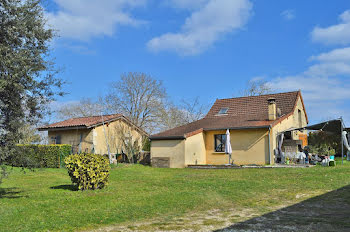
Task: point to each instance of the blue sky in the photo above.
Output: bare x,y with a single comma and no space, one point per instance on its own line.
208,48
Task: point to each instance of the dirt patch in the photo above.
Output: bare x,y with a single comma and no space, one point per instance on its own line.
326,212
202,221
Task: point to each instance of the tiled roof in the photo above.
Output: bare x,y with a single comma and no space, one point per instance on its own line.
243,112
81,122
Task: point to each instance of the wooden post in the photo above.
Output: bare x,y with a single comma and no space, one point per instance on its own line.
342,140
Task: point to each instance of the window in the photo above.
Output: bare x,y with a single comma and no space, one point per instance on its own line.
223,111
220,141
58,139
300,119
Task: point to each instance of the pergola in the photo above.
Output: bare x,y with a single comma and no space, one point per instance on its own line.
334,126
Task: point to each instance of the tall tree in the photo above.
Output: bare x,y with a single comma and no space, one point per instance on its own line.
256,88
27,75
84,108
139,97
193,109
177,115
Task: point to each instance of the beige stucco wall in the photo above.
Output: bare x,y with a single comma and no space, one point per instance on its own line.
73,138
291,122
113,130
248,147
195,149
174,149
95,137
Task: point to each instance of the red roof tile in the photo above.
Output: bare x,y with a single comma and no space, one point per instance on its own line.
243,112
82,122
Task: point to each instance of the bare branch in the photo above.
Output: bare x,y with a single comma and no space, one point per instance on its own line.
139,97
256,88
188,111
84,108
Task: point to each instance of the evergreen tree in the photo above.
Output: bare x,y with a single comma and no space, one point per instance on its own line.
27,75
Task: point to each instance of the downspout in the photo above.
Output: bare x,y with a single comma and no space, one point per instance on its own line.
81,140
269,144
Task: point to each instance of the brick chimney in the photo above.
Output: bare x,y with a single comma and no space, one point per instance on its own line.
272,110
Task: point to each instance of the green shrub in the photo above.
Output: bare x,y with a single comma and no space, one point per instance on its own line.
39,156
88,171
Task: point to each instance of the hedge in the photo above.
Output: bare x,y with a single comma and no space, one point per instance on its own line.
88,171
39,156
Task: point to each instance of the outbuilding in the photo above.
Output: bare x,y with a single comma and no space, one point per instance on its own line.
94,134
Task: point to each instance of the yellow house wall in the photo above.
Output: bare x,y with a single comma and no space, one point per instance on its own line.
112,130
72,137
291,122
174,149
248,147
95,138
195,149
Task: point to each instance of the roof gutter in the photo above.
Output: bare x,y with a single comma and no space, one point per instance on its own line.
237,128
61,128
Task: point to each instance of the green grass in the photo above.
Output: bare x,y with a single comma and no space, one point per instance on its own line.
44,200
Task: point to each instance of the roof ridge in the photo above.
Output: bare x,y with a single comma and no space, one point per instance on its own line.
104,115
258,95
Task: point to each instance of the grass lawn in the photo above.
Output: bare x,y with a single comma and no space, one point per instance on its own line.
45,200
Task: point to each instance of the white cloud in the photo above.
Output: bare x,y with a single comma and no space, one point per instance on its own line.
205,26
336,55
335,34
314,88
84,19
328,69
324,85
288,14
345,16
186,4
333,63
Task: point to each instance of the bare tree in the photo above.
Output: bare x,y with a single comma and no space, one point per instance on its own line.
84,108
186,112
126,141
169,117
30,134
139,97
256,87
193,110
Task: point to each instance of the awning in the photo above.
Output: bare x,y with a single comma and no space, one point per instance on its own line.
334,126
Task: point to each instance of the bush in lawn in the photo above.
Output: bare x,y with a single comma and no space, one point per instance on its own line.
88,171
39,156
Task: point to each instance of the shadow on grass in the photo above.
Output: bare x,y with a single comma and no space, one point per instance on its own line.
66,187
9,193
327,212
